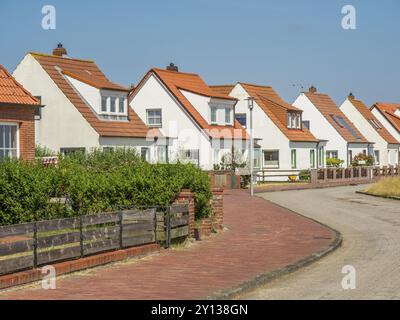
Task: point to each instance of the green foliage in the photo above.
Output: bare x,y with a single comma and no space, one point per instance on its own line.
41,151
96,182
362,160
231,161
333,162
304,175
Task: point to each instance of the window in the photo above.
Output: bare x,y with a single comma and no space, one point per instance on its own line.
350,157
364,152
103,104
8,141
257,156
121,108
213,115
112,104
294,120
162,154
321,160
145,153
376,156
293,158
242,119
68,151
332,154
312,158
154,117
38,110
306,124
375,124
271,158
191,155
228,116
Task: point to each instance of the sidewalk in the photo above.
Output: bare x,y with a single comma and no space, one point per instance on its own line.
262,237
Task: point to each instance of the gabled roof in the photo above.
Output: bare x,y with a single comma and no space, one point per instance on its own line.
388,111
12,92
276,109
176,81
88,72
336,117
223,89
369,116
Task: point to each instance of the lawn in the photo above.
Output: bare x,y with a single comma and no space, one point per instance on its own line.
389,187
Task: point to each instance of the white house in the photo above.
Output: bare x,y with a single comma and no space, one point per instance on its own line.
199,122
386,147
286,146
83,109
389,115
328,123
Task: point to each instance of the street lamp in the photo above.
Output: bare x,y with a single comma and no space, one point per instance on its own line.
250,104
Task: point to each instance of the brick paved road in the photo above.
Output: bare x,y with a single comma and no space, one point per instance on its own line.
261,237
371,243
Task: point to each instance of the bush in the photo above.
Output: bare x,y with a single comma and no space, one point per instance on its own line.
334,162
96,182
304,175
388,187
362,160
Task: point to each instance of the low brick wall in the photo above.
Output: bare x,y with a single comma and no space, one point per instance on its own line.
217,205
61,268
187,197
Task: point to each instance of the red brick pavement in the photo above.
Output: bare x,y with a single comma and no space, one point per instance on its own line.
262,237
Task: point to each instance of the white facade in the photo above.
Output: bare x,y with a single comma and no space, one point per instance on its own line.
61,126
323,130
273,142
188,141
385,154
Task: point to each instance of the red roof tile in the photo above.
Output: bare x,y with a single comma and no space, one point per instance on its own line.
177,81
368,115
388,111
276,109
11,92
88,72
328,108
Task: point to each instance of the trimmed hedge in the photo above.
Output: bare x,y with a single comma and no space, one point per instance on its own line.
95,182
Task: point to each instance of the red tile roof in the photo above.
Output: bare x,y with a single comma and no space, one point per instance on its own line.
11,92
368,115
88,72
388,111
177,81
328,108
223,89
276,109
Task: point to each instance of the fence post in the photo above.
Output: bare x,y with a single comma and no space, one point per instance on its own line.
155,225
35,245
314,176
120,214
168,229
81,234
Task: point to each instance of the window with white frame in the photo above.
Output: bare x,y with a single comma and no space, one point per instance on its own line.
241,118
377,157
228,112
294,120
154,117
8,140
190,155
112,104
121,108
332,154
104,103
271,158
213,117
257,158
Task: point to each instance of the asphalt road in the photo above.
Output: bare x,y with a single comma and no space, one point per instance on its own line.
371,244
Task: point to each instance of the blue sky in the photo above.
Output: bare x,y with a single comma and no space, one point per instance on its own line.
277,43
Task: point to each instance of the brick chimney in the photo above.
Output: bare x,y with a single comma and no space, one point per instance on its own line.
312,89
60,51
351,96
172,67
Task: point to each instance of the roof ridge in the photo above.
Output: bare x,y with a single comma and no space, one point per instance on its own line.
175,72
254,85
58,57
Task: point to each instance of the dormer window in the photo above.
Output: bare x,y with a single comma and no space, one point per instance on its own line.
213,115
113,107
112,104
103,104
294,120
121,105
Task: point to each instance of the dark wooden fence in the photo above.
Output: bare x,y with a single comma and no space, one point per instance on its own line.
34,244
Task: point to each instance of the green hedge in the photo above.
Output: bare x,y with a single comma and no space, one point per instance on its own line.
95,182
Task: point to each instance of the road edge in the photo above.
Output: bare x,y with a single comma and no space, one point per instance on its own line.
264,278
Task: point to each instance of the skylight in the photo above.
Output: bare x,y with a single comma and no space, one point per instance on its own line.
347,126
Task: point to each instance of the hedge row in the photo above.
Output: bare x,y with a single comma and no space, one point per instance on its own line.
95,182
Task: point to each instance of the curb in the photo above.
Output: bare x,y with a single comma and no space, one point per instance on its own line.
264,278
378,196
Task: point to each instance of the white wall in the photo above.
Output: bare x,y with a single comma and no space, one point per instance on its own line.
176,122
386,124
62,125
321,128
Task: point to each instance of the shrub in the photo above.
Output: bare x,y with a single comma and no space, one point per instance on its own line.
96,182
304,175
334,162
389,187
362,160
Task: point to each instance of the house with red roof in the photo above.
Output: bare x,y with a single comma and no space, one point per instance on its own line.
389,115
285,145
84,109
199,122
17,114
386,146
328,122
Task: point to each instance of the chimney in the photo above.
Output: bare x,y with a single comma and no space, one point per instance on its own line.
351,96
59,51
312,89
172,67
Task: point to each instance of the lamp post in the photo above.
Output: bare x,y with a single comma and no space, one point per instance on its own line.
250,104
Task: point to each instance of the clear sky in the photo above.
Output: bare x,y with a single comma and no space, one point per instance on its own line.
277,43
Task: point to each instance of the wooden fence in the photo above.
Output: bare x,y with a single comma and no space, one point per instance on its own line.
34,244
